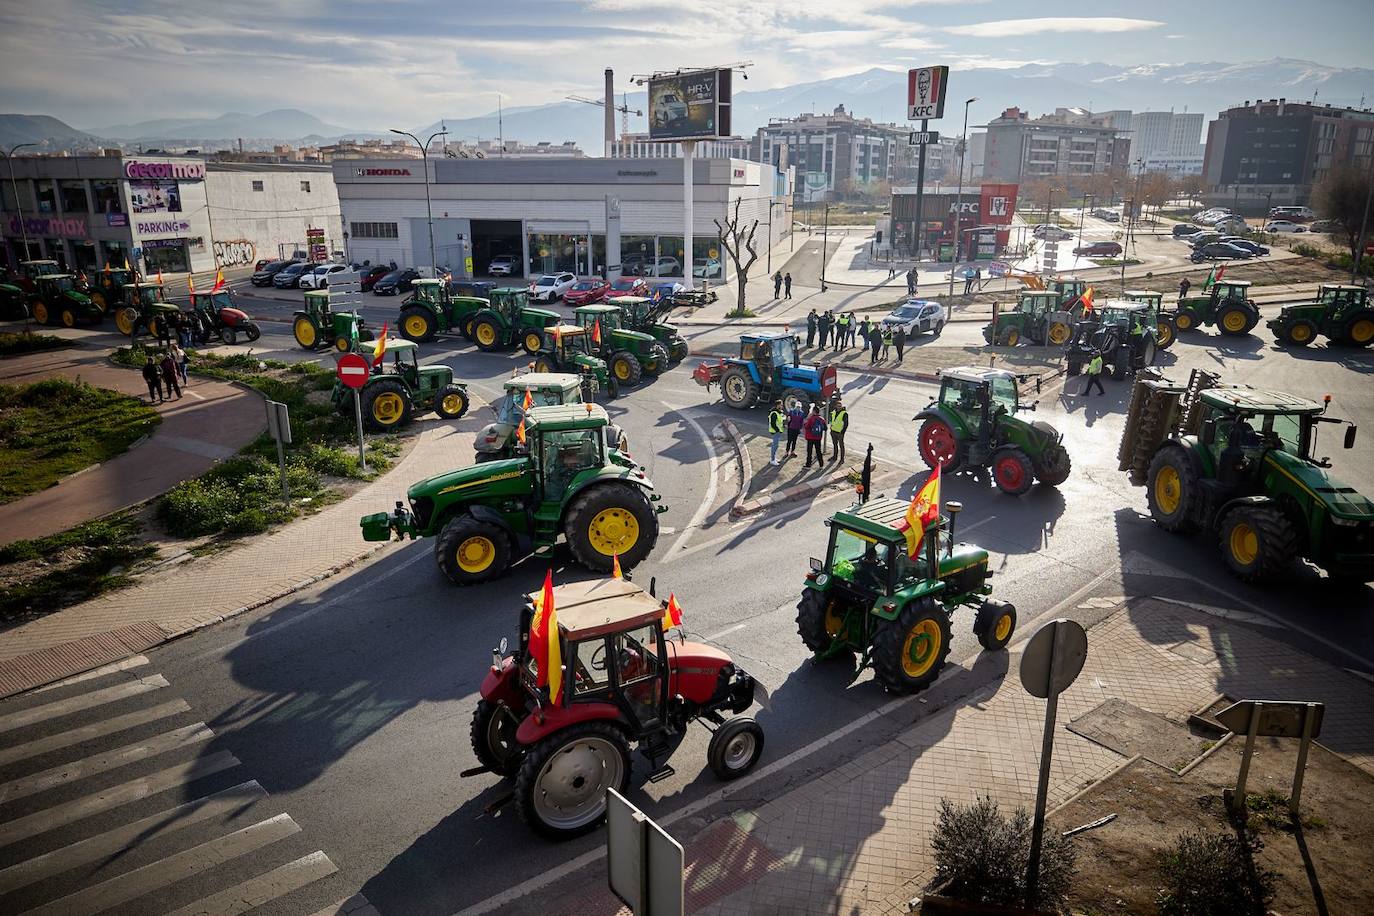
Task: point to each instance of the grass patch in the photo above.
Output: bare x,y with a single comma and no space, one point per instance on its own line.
28,342
56,427
1115,262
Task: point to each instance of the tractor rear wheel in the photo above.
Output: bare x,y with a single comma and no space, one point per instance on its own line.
1234,320
1171,488
1054,466
735,747
909,652
451,402
67,316
1359,331
532,341
560,791
40,312
611,520
994,624
493,737
1258,541
1147,358
486,334
738,389
1165,333
470,551
1187,320
1300,333
820,620
795,397
626,368
228,336
306,334
126,320
938,445
417,324
1009,338
1012,470
1058,333
386,405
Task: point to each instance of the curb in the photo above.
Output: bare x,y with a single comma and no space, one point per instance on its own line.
746,467
744,507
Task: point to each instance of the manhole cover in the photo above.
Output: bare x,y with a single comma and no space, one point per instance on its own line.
1130,730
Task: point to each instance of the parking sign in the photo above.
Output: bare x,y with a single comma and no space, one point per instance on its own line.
925,93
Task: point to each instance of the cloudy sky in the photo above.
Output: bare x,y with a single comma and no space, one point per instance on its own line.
100,62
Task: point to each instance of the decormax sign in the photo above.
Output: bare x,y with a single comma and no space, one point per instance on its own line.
191,171
68,227
162,226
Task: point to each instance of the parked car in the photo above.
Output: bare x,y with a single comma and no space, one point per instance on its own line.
397,281
1183,229
916,316
1231,224
627,286
1203,238
551,287
503,265
587,292
1293,214
289,277
368,276
1326,225
264,274
706,268
260,263
1254,248
1110,216
1051,233
1212,213
1219,251
1099,249
668,110
319,277
1283,225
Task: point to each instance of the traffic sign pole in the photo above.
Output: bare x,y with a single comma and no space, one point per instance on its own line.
353,370
358,414
1042,787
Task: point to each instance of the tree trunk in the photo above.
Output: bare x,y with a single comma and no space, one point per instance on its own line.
739,305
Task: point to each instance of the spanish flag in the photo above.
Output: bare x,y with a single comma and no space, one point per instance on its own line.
159,278
615,566
219,282
1087,298
924,509
191,282
379,350
596,332
524,410
672,614
544,643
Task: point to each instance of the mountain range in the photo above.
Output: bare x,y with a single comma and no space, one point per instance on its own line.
876,93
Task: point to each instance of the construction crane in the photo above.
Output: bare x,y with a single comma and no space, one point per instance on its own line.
623,108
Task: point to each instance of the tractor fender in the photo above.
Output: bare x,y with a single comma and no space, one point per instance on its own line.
887,609
552,718
933,412
1047,430
492,314
1257,500
612,474
491,516
503,685
1192,453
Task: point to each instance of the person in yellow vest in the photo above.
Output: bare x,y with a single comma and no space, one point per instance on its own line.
839,423
777,424
1094,371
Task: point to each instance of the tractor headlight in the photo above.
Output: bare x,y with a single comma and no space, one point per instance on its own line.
1344,522
822,579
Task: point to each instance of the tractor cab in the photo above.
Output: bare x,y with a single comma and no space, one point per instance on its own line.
55,284
1240,424
641,310
1223,290
30,271
1148,296
979,397
1342,300
569,445
143,295
610,317
770,350
429,290
510,301
1130,317
1068,289
1036,303
213,301
546,389
405,362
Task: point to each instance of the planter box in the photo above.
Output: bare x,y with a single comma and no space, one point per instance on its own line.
935,905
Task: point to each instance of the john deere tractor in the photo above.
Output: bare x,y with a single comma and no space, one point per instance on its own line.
13,299
1241,465
56,300
1165,332
509,319
394,394
645,314
569,485
1069,290
432,309
870,597
974,423
630,354
30,271
318,326
568,348
1225,304
1123,333
1039,317
1342,313
497,439
108,290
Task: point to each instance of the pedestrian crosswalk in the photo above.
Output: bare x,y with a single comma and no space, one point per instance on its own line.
115,797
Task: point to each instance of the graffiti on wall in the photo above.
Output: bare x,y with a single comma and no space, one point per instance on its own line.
234,252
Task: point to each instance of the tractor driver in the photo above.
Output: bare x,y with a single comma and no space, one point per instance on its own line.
565,459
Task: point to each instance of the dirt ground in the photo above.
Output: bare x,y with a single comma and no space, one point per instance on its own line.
1117,869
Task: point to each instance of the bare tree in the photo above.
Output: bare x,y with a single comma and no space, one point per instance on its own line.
1192,186
1343,195
736,243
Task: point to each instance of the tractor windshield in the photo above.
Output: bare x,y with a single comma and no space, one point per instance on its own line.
861,560
63,283
426,292
961,395
512,407
1287,431
1004,394
787,352
564,454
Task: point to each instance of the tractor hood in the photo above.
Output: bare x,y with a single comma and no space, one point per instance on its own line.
1342,500
468,482
548,316
626,334
492,437
79,298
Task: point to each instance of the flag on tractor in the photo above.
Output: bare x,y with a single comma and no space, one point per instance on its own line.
159,277
379,350
524,410
924,509
672,614
557,336
191,282
544,642
615,566
219,282
1214,276
596,332
1087,298
107,267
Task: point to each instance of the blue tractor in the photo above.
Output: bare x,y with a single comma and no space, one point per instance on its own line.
767,369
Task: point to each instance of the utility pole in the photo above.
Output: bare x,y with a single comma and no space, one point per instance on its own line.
959,201
1081,214
825,239
429,204
1364,228
18,204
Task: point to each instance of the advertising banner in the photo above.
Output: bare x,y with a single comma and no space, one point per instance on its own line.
998,203
690,106
154,197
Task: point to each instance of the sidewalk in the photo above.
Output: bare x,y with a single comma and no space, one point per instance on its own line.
856,838
212,421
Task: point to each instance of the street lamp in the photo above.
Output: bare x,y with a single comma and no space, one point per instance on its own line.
19,206
1081,214
959,201
825,239
429,206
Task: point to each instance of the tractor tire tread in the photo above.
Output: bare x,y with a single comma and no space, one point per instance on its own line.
888,642
535,759
1278,541
477,731
594,499
456,530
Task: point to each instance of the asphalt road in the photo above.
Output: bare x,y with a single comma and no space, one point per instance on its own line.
349,703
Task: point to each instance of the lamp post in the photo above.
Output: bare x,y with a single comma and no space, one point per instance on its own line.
1081,213
825,239
18,206
429,205
959,201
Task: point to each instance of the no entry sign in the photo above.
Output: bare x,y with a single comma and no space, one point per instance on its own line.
352,370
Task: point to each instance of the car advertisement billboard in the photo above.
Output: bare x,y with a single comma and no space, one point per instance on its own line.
154,197
690,106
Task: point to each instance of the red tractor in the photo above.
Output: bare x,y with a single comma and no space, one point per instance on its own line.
624,684
215,315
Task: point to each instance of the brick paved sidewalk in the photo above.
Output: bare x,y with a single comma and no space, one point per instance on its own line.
212,421
857,839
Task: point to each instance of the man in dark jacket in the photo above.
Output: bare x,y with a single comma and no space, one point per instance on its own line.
1183,286
795,418
169,374
811,318
814,431
154,380
875,342
787,285
899,340
826,322
777,285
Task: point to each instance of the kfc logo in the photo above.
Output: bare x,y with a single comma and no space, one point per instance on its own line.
997,206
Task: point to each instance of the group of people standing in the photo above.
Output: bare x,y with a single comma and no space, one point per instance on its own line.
840,332
796,422
165,373
782,285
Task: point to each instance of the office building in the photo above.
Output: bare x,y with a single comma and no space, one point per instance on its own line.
837,154
639,146
1068,144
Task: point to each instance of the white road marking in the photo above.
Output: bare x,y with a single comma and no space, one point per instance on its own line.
264,888
726,632
36,714
89,732
700,515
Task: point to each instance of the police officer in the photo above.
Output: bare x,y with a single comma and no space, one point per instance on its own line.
811,319
1094,374
841,332
839,423
777,425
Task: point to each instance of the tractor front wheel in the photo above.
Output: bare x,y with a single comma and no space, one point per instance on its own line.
386,405
678,350
532,341
738,389
994,624
938,445
626,368
1171,488
657,360
417,325
67,316
820,620
306,334
40,312
1164,331
1058,333
1186,321
487,335
1009,338
1054,466
252,330
1257,541
1234,320
126,320
735,747
451,402
611,520
909,652
470,551
493,737
1012,471
342,344
1300,333
560,791
1359,331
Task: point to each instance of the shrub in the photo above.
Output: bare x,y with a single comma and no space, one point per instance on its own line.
196,507
1214,874
981,856
28,342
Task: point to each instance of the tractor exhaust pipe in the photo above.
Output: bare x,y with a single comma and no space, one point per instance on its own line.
953,507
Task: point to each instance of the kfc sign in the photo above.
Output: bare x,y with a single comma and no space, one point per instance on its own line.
186,171
998,203
371,172
997,206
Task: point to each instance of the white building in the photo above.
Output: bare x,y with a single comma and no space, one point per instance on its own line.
1166,135
639,146
269,211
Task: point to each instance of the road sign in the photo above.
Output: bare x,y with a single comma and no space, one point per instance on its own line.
925,93
644,864
922,137
1053,658
1277,718
352,370
279,425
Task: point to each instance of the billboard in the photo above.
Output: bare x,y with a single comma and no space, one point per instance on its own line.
154,197
690,106
925,93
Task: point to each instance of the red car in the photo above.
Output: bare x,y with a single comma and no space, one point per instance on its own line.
1100,249
627,286
587,292
369,276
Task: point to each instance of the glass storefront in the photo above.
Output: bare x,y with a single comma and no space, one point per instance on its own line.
553,253
168,255
107,197
640,255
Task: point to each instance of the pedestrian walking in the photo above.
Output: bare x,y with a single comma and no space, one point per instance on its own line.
180,359
968,283
899,341
164,332
887,340
841,332
1094,374
1183,286
911,282
814,431
169,375
875,342
154,380
787,285
796,418
853,329
839,422
777,285
777,425
811,319
891,270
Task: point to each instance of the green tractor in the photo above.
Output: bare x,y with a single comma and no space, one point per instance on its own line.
498,440
510,319
630,354
896,611
30,271
569,348
144,305
1240,464
1342,313
108,289
490,515
1068,289
1225,304
392,396
1165,332
1039,318
56,300
1123,333
318,326
645,314
974,423
13,300
432,309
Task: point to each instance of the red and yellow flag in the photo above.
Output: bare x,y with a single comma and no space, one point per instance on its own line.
524,411
219,282
596,331
615,566
159,277
191,282
1087,298
544,643
672,614
379,350
924,509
